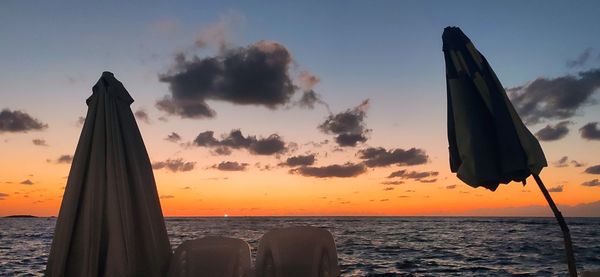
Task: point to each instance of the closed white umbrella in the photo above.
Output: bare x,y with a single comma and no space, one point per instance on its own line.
489,144
110,221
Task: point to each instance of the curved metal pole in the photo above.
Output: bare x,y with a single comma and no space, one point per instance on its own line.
563,227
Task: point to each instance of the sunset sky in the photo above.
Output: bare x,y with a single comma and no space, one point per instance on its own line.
354,93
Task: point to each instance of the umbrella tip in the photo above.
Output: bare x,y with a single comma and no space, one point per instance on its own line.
107,74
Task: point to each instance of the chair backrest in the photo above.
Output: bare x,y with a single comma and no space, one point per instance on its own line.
297,251
211,256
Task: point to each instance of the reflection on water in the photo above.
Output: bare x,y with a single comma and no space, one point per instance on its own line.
367,246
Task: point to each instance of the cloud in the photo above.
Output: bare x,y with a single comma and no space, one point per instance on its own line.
19,121
593,169
428,180
39,142
335,170
177,165
142,116
558,188
562,162
231,166
404,174
451,187
300,160
173,137
218,34
306,81
554,98
3,196
388,188
348,125
270,145
394,183
591,183
166,196
577,164
26,182
253,75
581,60
552,133
590,131
62,159
380,157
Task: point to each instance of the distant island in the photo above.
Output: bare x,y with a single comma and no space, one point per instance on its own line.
21,216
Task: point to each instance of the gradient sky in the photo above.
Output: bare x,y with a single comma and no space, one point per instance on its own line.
386,51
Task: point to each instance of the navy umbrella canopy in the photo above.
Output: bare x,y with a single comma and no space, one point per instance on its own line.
489,144
110,221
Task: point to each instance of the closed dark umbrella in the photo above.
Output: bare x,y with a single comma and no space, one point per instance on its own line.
489,144
110,221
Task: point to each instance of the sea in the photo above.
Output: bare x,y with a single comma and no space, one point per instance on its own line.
368,246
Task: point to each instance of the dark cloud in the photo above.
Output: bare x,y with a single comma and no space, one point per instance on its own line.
380,157
581,60
558,188
3,196
554,98
335,170
166,196
63,159
26,182
300,160
231,166
556,132
451,187
577,164
428,180
593,169
388,188
173,137
590,131
19,121
176,165
404,174
271,145
562,162
252,75
39,142
592,183
384,200
348,126
142,116
394,183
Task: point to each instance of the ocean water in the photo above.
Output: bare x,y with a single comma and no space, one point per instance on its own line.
369,246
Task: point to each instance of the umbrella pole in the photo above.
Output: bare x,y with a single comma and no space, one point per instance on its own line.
563,227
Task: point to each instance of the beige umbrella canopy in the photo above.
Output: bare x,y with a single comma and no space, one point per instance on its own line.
110,221
489,144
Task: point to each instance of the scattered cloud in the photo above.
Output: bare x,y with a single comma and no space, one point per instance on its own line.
558,188
173,137
26,182
335,170
580,60
555,98
593,169
300,160
231,166
552,133
219,34
142,116
451,187
19,122
3,196
562,162
388,188
590,131
62,159
177,165
577,164
394,183
270,145
404,174
39,142
348,126
428,180
591,183
166,196
380,157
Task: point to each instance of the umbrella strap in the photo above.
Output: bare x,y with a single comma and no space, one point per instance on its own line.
563,227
